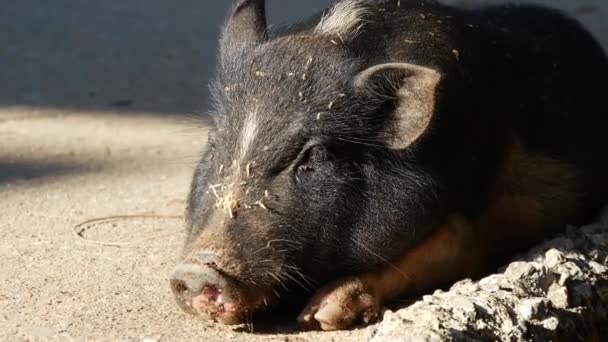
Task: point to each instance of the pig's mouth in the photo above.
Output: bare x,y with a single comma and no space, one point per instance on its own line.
218,306
204,292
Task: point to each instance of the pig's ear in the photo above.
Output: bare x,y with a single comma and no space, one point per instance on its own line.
412,91
245,27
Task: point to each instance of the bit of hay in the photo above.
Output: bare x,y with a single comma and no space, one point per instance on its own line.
230,203
261,205
308,63
214,190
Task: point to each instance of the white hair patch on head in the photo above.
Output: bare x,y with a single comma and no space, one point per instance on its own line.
250,129
345,19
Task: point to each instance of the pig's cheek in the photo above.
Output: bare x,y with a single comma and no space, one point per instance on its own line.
340,305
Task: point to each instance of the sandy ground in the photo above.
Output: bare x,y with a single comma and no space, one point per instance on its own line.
94,122
61,169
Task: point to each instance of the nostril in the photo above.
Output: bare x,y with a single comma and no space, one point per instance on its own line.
189,277
194,284
179,286
183,295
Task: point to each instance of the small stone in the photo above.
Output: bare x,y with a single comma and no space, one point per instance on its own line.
531,308
569,271
550,323
388,315
418,305
558,295
598,268
518,270
594,255
463,308
553,258
429,319
484,307
507,326
466,287
492,283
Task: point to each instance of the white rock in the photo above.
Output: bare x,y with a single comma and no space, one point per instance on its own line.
598,268
530,308
550,323
558,295
553,257
518,270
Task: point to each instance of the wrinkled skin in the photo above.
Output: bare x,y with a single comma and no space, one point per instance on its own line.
333,155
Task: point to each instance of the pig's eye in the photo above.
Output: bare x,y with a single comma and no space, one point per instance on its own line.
310,160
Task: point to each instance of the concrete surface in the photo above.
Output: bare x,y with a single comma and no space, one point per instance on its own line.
134,55
96,100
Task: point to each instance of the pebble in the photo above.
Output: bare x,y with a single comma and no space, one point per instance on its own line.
598,268
463,308
558,295
483,306
518,270
553,258
466,287
550,323
492,283
531,308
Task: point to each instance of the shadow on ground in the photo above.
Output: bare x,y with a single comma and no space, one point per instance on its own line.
150,56
25,170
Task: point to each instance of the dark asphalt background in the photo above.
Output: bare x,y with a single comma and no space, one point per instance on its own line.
151,56
146,56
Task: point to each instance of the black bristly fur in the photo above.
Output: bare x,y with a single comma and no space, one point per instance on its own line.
508,70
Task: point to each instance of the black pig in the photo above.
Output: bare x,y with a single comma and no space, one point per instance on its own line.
385,148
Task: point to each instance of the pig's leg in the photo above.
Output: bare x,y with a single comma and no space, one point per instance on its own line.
448,254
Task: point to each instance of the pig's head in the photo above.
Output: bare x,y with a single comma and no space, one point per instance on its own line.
314,168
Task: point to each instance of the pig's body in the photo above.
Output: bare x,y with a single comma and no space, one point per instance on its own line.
388,146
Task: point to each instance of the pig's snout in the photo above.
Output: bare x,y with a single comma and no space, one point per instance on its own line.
202,290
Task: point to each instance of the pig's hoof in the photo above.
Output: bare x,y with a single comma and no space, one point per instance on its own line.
340,305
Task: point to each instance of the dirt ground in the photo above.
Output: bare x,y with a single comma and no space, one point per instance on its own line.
60,169
88,134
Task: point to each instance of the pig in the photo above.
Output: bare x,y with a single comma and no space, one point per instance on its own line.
386,148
